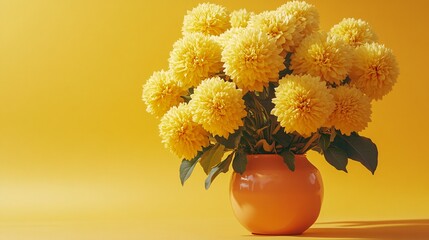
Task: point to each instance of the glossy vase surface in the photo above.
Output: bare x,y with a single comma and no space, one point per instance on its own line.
268,198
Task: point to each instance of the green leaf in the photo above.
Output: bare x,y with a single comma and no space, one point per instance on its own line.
289,159
232,141
219,168
186,167
212,157
186,98
191,91
337,157
248,136
324,141
240,161
283,138
317,149
361,149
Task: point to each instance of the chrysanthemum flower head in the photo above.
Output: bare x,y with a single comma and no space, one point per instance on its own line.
354,32
206,18
161,92
229,34
277,25
352,111
325,56
180,134
306,18
218,106
240,18
302,104
252,59
375,70
194,58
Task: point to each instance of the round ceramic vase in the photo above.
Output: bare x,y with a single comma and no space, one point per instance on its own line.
270,199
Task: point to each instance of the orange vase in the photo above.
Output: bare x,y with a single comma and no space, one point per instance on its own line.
270,199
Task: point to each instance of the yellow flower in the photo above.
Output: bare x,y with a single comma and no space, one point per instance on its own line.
302,104
229,34
354,31
161,92
206,18
324,56
306,18
252,60
180,134
375,70
277,25
240,18
194,58
218,106
352,110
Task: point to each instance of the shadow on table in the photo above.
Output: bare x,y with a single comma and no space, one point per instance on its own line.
411,229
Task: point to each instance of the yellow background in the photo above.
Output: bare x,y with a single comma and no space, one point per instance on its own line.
81,159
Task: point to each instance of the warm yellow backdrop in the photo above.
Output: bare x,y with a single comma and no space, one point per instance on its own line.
79,154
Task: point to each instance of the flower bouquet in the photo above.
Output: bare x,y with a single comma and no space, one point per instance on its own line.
241,83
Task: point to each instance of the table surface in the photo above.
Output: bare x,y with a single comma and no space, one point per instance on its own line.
221,228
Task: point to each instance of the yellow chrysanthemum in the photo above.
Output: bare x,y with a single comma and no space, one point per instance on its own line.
206,18
229,34
194,58
302,104
375,70
306,18
161,92
324,56
355,32
352,111
240,18
252,60
218,106
180,134
277,25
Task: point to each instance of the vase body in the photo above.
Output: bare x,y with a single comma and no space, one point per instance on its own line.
268,198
